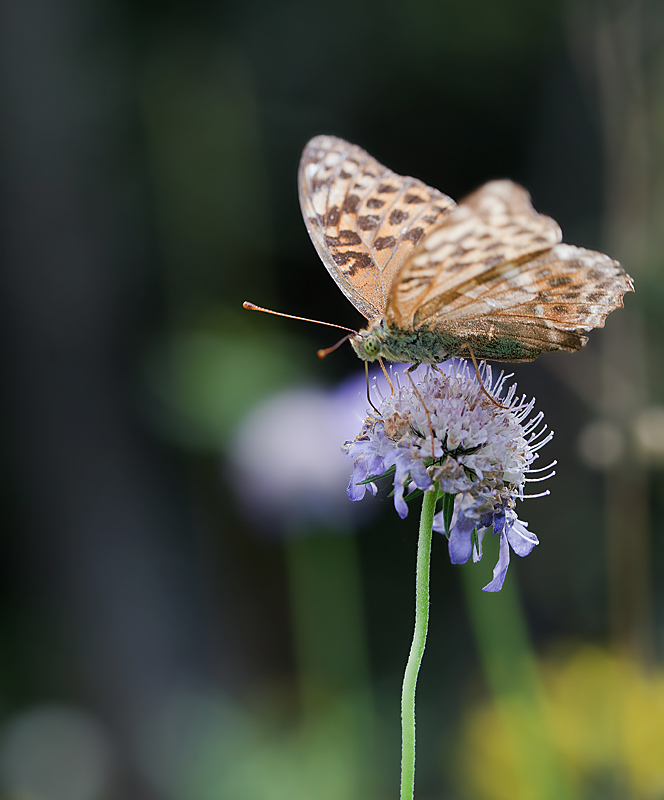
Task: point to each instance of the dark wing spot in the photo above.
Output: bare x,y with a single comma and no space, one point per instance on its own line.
571,295
541,239
414,198
387,188
352,261
332,217
560,309
398,216
543,273
595,297
375,202
345,175
595,274
368,223
492,246
350,204
562,280
317,183
414,235
383,242
344,238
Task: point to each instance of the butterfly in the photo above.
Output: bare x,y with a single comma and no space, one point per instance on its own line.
434,278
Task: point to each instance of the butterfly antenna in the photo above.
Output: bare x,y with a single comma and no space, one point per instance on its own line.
252,307
325,351
479,377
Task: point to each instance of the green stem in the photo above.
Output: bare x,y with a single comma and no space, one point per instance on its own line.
417,647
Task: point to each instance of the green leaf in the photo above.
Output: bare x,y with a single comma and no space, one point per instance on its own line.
448,510
373,478
412,495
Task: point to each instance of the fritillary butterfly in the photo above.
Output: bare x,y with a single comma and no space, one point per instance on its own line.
433,277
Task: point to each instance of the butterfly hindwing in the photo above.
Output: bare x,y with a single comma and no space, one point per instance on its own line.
493,226
363,219
544,303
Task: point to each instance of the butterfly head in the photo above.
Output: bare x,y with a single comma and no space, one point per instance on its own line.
369,343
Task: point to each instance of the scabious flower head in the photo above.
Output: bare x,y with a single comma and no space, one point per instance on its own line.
440,430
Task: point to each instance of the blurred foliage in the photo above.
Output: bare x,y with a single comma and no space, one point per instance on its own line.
199,384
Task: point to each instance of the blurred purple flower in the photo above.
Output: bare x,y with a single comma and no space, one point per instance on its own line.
481,453
287,466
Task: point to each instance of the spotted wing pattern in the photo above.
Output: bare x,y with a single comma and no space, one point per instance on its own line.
495,225
495,272
544,304
363,219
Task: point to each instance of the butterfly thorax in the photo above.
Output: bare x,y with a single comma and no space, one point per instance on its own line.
421,345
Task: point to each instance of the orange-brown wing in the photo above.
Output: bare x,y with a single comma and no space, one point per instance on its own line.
517,310
494,226
363,219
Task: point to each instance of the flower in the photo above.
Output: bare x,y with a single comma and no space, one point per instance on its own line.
603,720
288,471
440,429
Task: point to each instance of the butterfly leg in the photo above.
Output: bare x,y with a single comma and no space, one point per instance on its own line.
366,370
426,411
479,377
387,377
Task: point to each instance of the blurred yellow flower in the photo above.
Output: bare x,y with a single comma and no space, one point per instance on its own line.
605,715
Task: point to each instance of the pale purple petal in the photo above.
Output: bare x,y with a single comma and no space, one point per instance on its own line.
520,538
499,521
420,475
477,551
399,480
500,570
461,541
356,491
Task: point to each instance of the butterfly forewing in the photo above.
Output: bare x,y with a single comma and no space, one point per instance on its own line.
494,226
364,219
